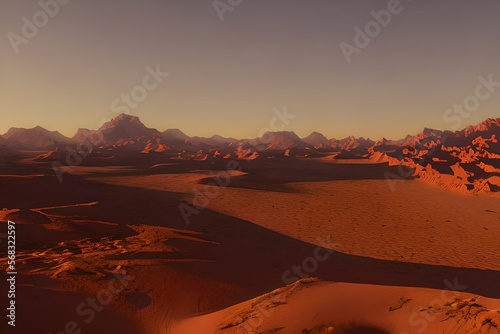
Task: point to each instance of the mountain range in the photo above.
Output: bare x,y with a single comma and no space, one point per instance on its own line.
467,160
128,132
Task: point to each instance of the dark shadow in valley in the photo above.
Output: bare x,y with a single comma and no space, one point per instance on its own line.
242,254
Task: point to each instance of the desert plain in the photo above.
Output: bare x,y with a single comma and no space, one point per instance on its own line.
320,248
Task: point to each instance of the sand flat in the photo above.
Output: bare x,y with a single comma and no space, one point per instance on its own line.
415,223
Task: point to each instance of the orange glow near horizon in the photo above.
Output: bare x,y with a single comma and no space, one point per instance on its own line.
227,77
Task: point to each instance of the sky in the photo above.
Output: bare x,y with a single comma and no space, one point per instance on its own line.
232,67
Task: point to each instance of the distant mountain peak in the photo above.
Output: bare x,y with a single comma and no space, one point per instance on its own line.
281,134
484,126
223,139
280,140
123,119
37,137
126,117
125,128
316,139
174,134
315,134
431,132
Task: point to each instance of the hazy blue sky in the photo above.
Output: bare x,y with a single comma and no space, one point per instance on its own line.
227,76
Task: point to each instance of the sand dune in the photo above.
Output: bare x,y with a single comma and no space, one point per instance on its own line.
310,306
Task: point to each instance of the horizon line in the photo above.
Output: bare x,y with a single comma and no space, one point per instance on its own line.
462,127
